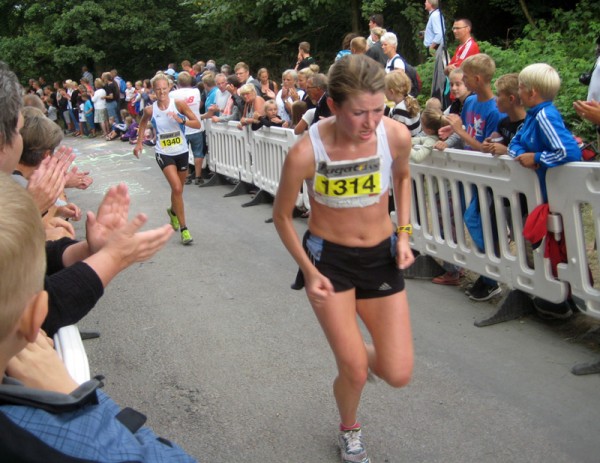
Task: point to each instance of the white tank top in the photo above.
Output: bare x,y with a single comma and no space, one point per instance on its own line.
191,96
350,183
170,135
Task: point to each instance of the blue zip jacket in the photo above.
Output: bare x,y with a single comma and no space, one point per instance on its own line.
544,133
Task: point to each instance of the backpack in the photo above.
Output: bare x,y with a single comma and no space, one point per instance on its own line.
415,80
122,84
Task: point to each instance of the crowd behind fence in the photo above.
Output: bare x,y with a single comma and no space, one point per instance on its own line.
255,158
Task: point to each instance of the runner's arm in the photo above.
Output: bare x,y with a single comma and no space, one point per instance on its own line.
147,115
192,121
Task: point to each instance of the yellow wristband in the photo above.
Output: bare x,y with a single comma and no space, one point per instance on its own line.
404,229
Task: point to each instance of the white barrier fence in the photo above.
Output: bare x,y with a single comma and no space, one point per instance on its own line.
69,346
257,157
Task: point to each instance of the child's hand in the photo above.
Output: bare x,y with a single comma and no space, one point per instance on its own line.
455,123
527,160
440,145
39,367
494,148
445,132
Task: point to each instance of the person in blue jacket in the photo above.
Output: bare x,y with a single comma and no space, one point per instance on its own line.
543,141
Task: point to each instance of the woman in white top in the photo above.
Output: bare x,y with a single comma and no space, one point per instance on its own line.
170,117
99,101
288,94
351,256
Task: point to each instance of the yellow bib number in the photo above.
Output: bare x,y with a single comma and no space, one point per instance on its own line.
359,185
170,139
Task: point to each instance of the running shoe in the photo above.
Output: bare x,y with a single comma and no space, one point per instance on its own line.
484,292
186,238
352,447
174,219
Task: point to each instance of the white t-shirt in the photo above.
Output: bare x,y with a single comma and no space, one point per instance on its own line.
192,98
99,102
398,64
281,112
594,88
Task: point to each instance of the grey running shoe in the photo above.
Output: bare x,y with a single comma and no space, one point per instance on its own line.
352,447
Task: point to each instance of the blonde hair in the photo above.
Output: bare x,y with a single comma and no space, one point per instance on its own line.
184,79
399,83
358,45
433,119
39,134
353,74
22,253
455,72
160,76
433,103
542,78
290,72
208,79
481,65
269,103
247,88
508,84
306,72
378,32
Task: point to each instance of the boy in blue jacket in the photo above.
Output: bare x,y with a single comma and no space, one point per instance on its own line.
543,141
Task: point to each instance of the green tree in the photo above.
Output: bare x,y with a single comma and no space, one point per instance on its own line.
58,37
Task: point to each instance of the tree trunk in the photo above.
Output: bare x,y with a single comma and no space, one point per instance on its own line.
355,7
526,13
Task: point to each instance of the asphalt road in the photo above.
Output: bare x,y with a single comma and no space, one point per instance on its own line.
212,345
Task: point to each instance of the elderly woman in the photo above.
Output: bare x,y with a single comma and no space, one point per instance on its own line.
288,94
254,105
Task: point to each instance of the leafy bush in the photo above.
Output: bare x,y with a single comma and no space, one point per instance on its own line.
566,42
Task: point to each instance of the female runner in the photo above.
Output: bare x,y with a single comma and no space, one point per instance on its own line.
169,118
351,256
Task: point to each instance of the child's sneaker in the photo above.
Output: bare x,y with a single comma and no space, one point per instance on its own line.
186,238
174,219
352,448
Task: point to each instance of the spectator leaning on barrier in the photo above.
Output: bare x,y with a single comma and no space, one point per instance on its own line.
317,92
542,143
479,120
509,102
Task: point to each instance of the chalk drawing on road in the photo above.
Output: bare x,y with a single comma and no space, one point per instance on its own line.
108,169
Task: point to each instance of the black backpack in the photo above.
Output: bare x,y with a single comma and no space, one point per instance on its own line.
413,75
